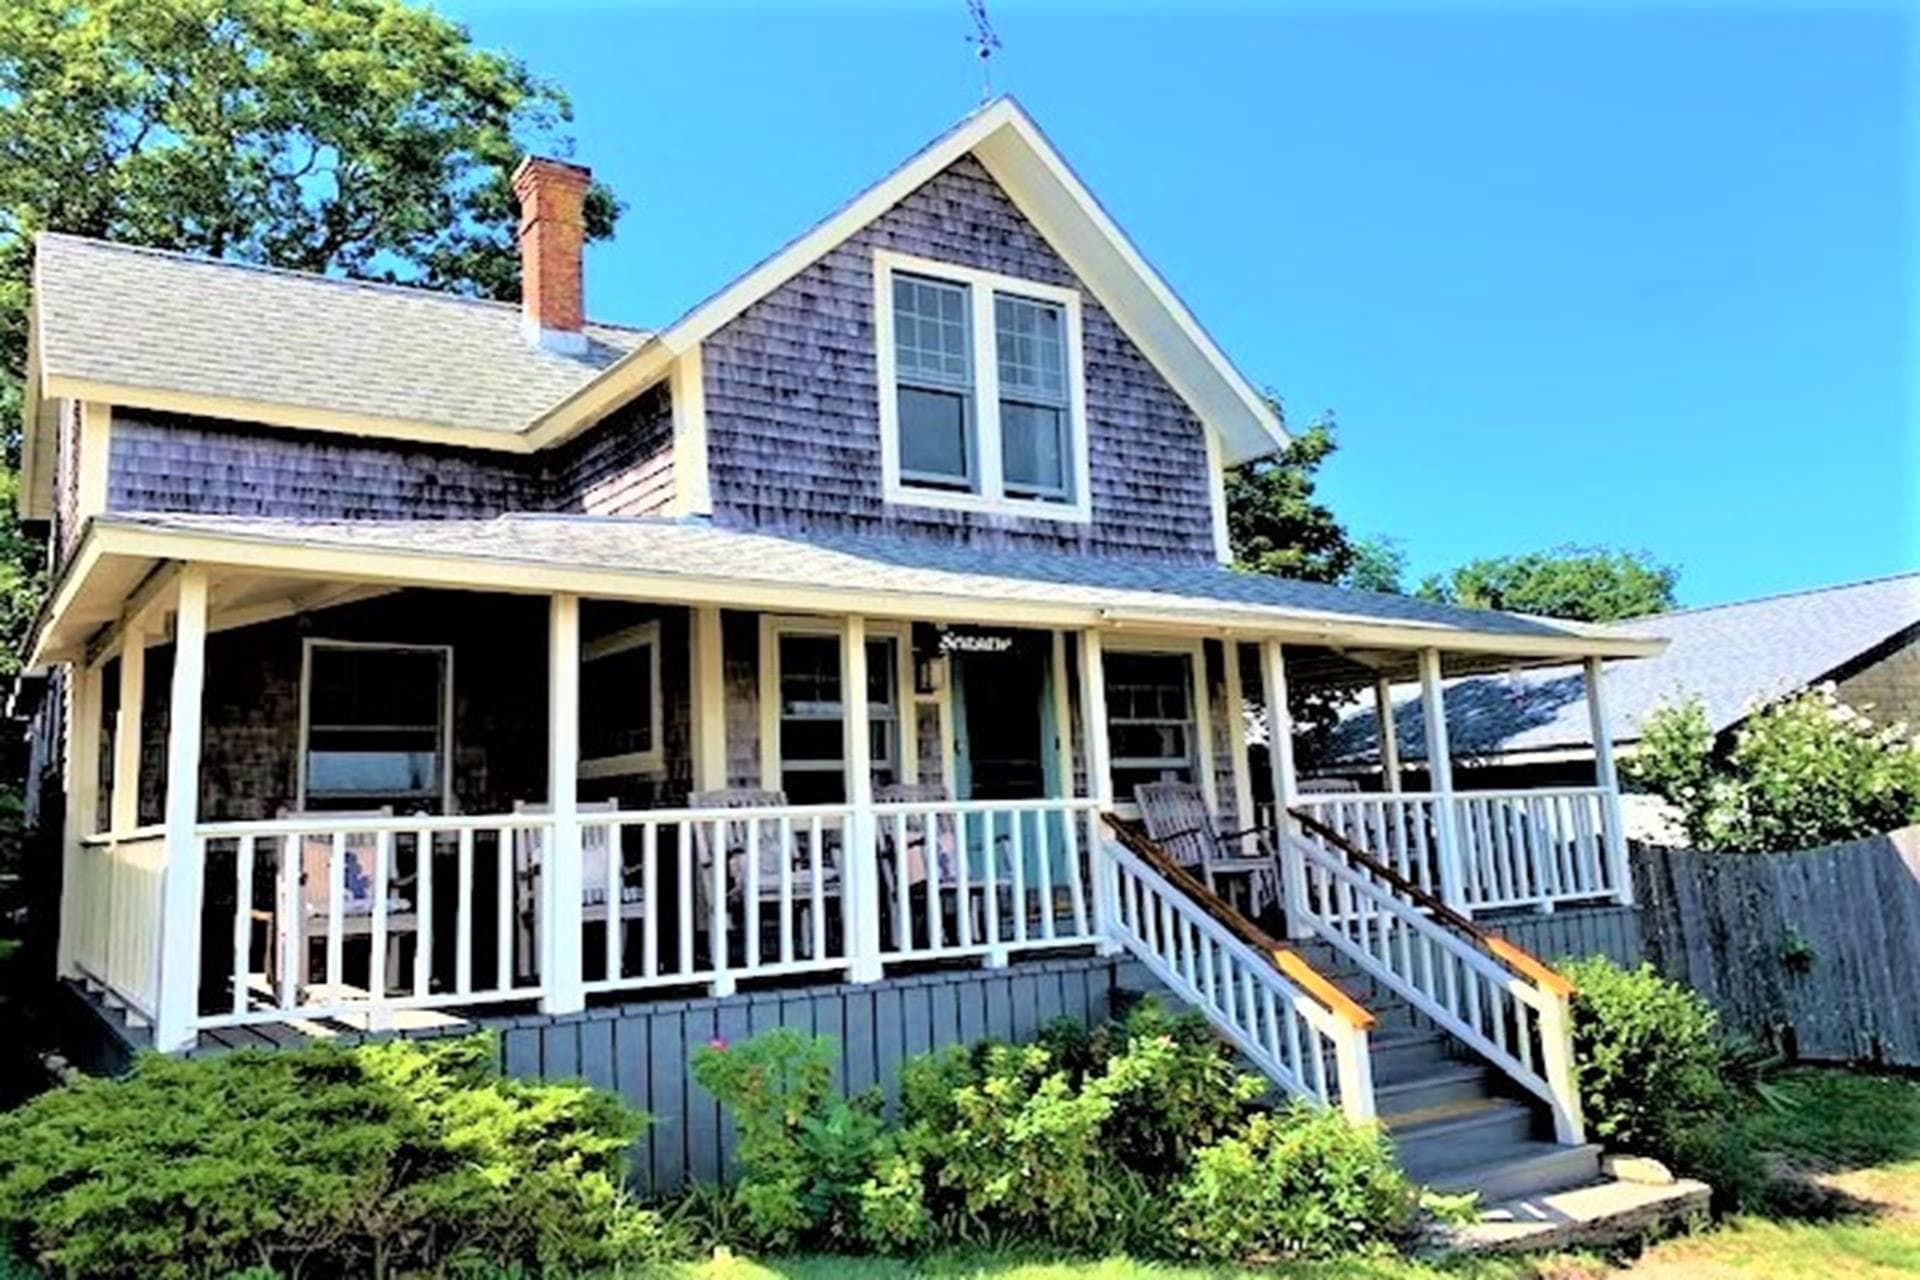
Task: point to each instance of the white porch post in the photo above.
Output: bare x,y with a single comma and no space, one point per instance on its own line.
177,993
860,863
560,870
1099,764
1433,710
709,701
83,800
1286,787
127,729
1235,692
1607,777
1389,733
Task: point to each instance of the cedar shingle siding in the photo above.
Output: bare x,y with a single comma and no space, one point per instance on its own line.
792,399
159,462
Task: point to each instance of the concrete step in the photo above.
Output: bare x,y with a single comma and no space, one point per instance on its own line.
1424,1093
1589,1216
1464,1133
1515,1170
1403,1054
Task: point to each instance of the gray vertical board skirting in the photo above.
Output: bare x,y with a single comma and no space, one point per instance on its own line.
1573,932
1728,925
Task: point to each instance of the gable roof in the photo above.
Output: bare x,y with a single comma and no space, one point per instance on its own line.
693,560
1726,655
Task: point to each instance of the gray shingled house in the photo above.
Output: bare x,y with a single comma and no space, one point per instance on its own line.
1530,728
420,662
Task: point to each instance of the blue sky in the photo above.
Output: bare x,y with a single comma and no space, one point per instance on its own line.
1636,275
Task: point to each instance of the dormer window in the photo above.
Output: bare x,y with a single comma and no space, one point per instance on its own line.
1004,431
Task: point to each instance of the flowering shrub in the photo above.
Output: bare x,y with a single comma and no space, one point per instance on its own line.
1806,770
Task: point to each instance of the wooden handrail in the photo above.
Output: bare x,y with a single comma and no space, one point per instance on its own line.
1290,963
1514,957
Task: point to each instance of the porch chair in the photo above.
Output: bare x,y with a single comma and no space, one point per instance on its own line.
358,853
945,859
1177,818
596,847
733,840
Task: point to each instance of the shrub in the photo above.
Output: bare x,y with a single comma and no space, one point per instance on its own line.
1806,770
370,1161
1299,1183
817,1170
1648,1052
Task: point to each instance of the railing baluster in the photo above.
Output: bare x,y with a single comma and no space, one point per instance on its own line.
463,936
423,914
990,882
902,888
242,922
751,874
1076,886
683,885
1016,850
650,899
930,859
1043,863
616,890
293,943
506,877
786,888
718,957
817,885
336,904
962,893
377,975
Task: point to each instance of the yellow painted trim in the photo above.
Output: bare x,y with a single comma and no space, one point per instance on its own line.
90,487
692,489
274,414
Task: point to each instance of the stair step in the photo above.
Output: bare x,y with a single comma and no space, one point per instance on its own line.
1402,1054
1523,1169
1468,1132
1444,1085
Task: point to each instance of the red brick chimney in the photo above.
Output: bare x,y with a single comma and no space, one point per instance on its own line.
552,233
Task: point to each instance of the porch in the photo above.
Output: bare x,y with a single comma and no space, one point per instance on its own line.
374,802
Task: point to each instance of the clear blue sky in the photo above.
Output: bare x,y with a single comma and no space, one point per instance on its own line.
1641,276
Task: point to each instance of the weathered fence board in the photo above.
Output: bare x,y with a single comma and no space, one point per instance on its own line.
1573,932
1730,925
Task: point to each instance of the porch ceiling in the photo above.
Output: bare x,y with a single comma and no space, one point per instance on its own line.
266,566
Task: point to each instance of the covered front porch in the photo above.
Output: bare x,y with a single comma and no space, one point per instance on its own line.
349,789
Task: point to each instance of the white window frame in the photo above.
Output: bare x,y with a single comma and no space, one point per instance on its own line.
1200,704
906,766
991,496
652,760
303,746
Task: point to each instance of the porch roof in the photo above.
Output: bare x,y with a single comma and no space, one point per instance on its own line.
694,562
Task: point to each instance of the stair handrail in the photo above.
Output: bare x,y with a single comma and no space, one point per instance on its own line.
1485,1001
1519,959
1257,991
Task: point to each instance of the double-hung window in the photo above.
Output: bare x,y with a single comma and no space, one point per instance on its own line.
378,725
982,400
620,703
1150,720
809,736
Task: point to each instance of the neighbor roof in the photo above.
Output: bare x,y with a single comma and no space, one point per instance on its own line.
695,561
1727,655
120,316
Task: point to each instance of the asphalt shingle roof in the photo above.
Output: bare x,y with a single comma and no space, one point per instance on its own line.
1727,655
872,564
132,316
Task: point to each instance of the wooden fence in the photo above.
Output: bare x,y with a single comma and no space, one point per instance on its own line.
1819,947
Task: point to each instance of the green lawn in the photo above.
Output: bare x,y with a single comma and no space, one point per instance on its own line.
1853,1140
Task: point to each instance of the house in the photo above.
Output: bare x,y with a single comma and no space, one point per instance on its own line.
422,659
1531,728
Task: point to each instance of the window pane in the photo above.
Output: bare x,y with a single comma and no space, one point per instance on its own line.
933,436
616,703
810,675
930,332
810,741
1150,719
1032,448
1032,348
374,732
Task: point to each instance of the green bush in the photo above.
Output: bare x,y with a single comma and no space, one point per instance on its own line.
1649,1055
377,1160
816,1170
1298,1183
1806,770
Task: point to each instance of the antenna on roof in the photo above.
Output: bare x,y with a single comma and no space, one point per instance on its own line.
984,41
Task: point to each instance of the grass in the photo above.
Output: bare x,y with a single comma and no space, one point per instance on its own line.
1848,1143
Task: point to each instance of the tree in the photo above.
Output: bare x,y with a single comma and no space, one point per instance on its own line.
1583,584
1274,523
363,138
1378,564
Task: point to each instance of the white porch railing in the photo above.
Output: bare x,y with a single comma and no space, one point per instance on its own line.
1510,1009
360,917
1516,848
116,915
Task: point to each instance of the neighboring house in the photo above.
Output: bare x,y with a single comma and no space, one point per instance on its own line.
419,654
1532,729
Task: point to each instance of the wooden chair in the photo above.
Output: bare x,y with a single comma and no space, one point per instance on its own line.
596,848
733,837
1176,817
358,855
944,857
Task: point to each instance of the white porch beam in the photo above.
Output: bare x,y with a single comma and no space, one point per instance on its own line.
1433,710
82,779
1286,786
177,992
1389,733
1062,717
862,865
1098,754
709,700
560,872
128,731
1606,773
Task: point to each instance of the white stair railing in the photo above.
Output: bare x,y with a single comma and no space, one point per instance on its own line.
1498,1000
1290,1022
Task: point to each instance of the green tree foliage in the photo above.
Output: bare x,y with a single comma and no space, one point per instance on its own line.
1803,771
1379,564
1275,524
364,138
1582,584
